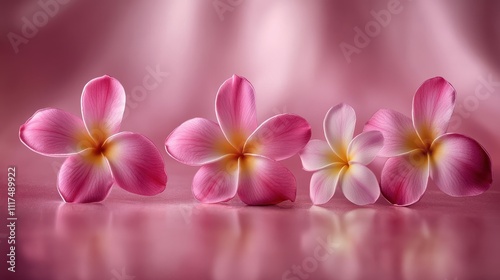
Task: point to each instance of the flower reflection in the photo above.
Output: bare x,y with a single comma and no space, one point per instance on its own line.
157,240
393,243
228,245
449,247
84,247
247,243
35,242
199,241
345,235
68,241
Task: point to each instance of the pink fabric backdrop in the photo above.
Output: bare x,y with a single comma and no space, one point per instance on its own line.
289,50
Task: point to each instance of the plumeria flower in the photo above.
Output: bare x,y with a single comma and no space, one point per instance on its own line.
420,148
236,155
341,160
98,154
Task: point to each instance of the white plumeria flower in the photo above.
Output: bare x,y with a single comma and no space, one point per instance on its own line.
341,160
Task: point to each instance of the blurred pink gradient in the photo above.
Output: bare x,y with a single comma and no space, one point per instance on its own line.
289,51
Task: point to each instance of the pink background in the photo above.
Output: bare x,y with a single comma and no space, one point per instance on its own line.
289,50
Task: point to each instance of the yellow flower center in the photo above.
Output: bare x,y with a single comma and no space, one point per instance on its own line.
241,156
95,147
426,150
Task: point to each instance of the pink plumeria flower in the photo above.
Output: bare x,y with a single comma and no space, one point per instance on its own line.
341,160
236,155
420,148
98,155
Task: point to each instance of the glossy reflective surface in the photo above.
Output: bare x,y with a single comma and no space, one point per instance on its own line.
171,236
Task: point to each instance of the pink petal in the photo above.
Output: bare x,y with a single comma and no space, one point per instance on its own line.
399,135
460,166
316,155
197,142
84,178
404,178
433,105
217,181
263,181
364,148
279,137
235,109
136,163
324,182
53,132
339,126
359,185
103,104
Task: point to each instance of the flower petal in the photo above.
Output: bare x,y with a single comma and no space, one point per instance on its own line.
339,126
197,142
460,166
433,105
398,131
136,163
103,104
263,181
235,110
359,185
364,148
279,137
217,181
84,177
317,154
404,178
324,182
53,132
